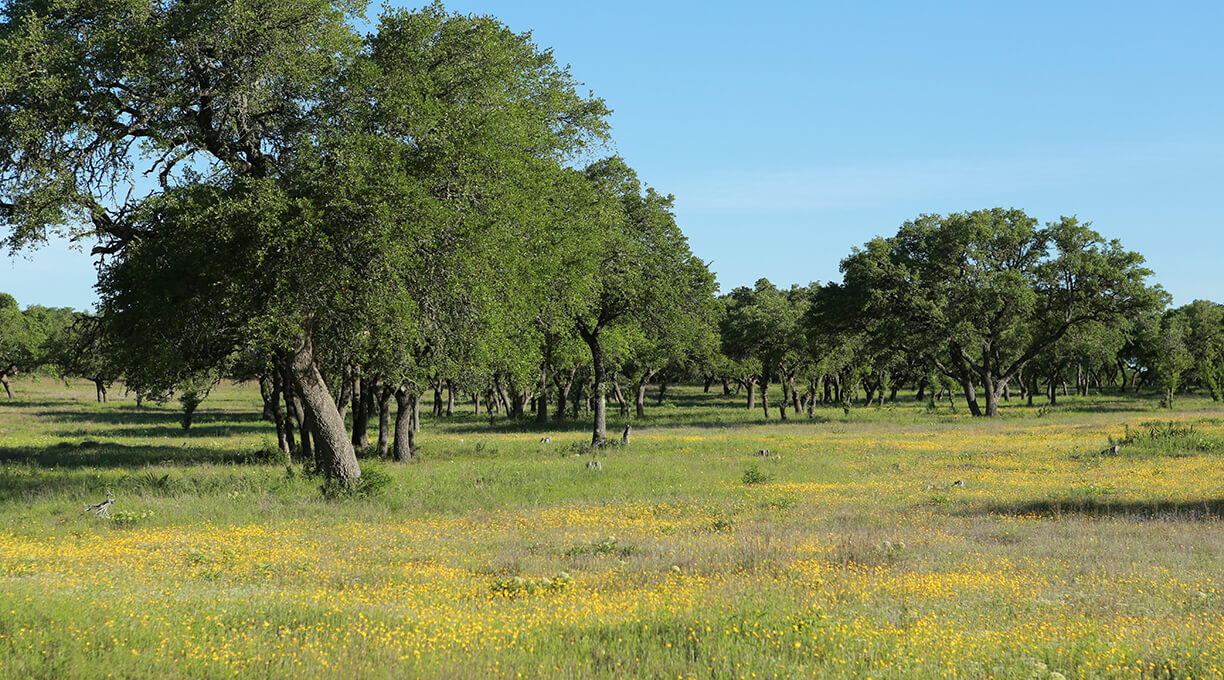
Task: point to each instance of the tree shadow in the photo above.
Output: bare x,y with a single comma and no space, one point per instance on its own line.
75,471
222,429
41,402
1162,510
658,418
91,454
131,415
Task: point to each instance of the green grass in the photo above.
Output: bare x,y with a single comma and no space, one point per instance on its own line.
851,551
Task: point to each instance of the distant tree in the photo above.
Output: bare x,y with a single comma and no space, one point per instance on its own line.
761,330
642,272
986,292
1203,332
1168,357
25,337
18,342
78,347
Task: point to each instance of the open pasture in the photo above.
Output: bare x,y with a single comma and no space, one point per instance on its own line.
851,551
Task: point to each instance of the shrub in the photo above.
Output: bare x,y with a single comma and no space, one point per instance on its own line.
603,546
374,481
518,586
753,475
1161,438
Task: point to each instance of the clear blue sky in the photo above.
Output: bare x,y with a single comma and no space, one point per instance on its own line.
791,131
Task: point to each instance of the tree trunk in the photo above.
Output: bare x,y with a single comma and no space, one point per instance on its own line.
346,391
751,384
619,394
726,387
970,391
639,401
501,395
450,398
333,450
290,412
100,386
662,392
577,399
599,431
306,445
542,401
563,389
993,386
405,444
518,400
765,396
785,398
992,402
384,419
965,376
363,404
4,380
278,416
708,380
265,394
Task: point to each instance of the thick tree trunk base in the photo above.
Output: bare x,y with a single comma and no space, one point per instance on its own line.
333,450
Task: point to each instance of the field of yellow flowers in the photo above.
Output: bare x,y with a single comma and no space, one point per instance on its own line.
882,543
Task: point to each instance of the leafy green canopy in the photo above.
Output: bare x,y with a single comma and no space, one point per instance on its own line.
95,95
983,293
396,197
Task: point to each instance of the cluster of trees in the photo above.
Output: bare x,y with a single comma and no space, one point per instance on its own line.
353,220
984,303
54,340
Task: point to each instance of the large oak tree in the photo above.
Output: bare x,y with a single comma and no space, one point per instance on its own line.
260,176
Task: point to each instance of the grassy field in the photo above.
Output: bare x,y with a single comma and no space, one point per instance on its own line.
852,551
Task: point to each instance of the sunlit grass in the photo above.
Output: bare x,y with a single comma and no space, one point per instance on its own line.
854,552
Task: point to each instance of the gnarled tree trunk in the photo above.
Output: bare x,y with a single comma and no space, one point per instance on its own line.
405,443
333,450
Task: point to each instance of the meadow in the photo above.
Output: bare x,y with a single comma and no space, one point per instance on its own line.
891,542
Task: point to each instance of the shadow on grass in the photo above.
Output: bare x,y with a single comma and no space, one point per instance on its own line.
41,402
131,415
1204,510
197,431
108,455
469,424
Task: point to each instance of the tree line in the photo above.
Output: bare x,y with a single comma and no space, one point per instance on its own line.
356,219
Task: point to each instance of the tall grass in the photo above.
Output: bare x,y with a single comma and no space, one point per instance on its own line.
851,551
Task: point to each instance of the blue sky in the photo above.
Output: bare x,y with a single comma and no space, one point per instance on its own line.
792,131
